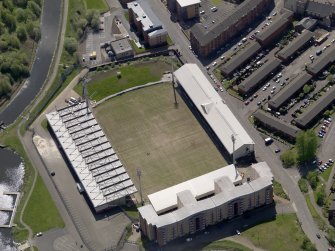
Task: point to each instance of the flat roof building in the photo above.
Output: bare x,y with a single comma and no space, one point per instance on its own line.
147,23
214,111
91,156
122,48
259,76
207,38
287,53
275,29
275,125
187,9
306,23
240,59
191,206
289,91
322,61
309,116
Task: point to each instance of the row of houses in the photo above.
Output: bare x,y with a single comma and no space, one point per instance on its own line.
205,40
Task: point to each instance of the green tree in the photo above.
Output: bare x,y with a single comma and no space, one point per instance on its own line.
21,3
288,158
321,196
307,245
21,33
33,31
306,145
313,179
21,15
307,89
8,19
5,86
70,45
330,78
93,19
35,8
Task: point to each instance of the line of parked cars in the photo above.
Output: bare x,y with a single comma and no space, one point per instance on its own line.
323,128
324,167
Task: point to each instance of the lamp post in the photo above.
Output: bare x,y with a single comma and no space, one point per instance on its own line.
139,173
173,84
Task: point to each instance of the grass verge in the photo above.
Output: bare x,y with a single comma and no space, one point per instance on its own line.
104,84
284,234
39,209
278,190
325,175
136,49
100,5
226,245
321,223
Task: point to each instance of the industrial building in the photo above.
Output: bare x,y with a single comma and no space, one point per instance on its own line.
214,111
122,48
289,91
275,125
185,9
207,38
322,10
275,29
319,106
322,61
91,156
148,26
259,76
240,59
304,40
191,206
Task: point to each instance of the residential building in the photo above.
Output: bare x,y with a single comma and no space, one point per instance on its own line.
191,206
240,59
259,76
289,91
303,40
276,126
208,37
214,111
322,61
146,23
122,48
316,108
185,9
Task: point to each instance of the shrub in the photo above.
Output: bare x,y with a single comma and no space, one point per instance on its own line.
70,45
313,179
303,185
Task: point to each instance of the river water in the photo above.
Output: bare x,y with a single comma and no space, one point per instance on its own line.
11,177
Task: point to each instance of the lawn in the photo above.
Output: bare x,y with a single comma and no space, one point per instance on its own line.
321,223
100,5
226,245
282,234
216,2
149,133
40,208
103,84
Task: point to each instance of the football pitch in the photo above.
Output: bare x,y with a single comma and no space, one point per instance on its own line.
149,133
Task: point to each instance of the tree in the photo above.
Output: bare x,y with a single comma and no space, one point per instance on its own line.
93,19
321,196
21,15
308,245
70,45
5,86
330,78
288,158
332,69
8,19
307,89
33,31
21,3
35,8
313,179
306,144
21,33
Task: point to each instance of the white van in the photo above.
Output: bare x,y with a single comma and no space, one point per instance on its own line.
80,188
268,141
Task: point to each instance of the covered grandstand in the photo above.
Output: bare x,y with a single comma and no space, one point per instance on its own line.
214,111
91,156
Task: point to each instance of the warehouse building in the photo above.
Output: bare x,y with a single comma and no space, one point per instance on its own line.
258,77
207,38
148,26
91,156
322,61
214,111
191,206
240,59
275,29
122,48
310,115
304,40
276,126
289,91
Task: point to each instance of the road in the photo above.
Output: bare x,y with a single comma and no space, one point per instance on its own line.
262,152
50,23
